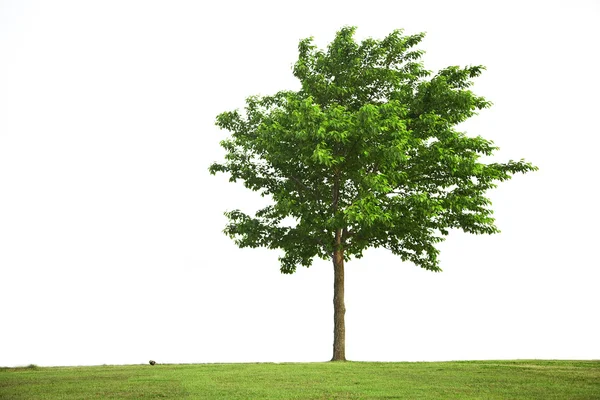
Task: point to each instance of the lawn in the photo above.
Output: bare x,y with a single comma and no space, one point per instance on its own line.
349,380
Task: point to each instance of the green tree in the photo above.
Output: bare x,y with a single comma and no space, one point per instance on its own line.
365,154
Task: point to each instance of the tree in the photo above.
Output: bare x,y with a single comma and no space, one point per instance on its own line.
366,154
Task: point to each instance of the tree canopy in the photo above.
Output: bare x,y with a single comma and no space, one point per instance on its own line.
366,154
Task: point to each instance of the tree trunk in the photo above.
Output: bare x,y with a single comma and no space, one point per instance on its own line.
339,308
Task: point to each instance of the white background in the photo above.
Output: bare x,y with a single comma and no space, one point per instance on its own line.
111,244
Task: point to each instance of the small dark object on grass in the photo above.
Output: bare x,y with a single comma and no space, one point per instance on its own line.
152,362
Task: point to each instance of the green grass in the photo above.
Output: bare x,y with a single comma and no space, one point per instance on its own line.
350,380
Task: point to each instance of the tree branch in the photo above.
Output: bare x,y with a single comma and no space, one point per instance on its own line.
299,182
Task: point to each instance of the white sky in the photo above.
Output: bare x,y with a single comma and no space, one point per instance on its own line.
111,249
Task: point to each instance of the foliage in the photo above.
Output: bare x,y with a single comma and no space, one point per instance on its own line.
366,154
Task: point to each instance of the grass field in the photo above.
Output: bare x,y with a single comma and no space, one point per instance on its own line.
350,380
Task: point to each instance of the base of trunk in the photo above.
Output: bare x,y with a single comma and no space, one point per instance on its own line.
339,308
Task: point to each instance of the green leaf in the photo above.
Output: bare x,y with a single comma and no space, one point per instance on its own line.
367,151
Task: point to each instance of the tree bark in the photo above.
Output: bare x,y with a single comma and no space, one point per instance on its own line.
339,308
